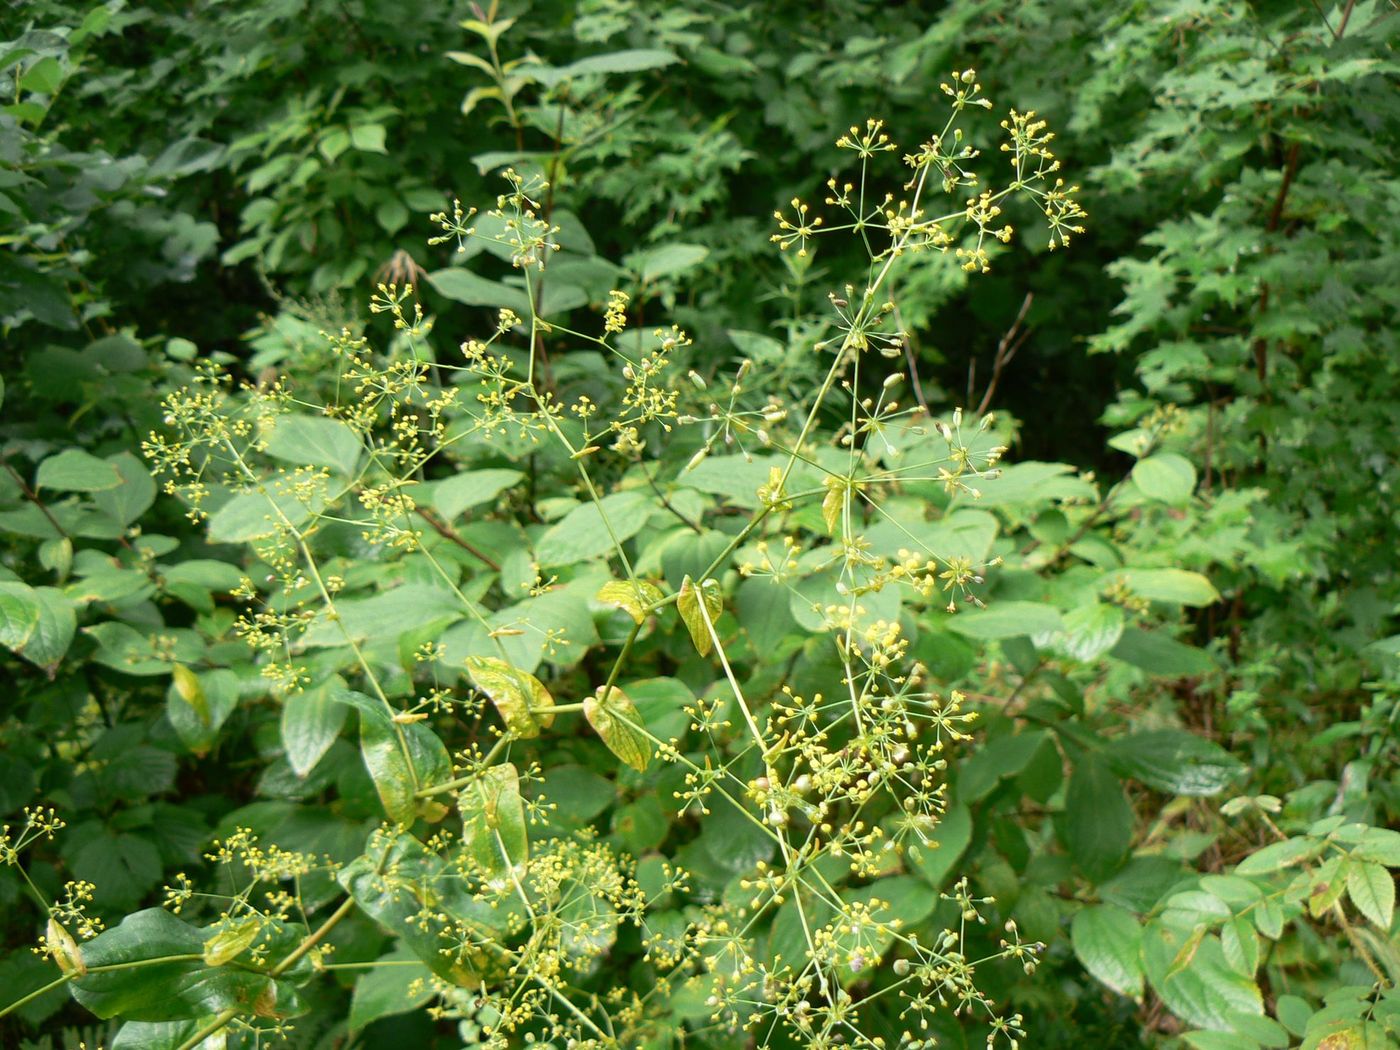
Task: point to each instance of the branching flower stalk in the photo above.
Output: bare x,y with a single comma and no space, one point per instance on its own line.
509,923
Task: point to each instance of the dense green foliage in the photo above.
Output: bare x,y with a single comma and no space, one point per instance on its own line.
471,574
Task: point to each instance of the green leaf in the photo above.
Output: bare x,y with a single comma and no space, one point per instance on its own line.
368,138
315,441
159,1035
19,614
521,698
396,984
1001,757
1091,630
74,470
764,609
1174,586
1201,988
632,598
311,720
1107,940
403,758
254,515
615,719
667,260
1371,888
593,529
934,859
1166,477
462,286
197,709
1157,653
1380,845
471,489
633,60
416,877
1280,855
1098,825
134,496
166,991
1006,619
493,822
1175,761
48,640
232,940
688,604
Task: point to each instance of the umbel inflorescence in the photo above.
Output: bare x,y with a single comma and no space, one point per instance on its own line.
516,916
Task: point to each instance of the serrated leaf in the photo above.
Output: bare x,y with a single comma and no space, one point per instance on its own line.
471,489
1098,820
1166,477
315,441
1006,619
1173,586
1279,855
74,470
632,598
1091,630
1107,940
688,604
521,699
1372,890
1175,761
593,529
616,720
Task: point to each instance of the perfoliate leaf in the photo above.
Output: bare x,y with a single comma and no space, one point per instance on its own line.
64,949
633,598
522,700
616,720
232,941
688,603
493,821
402,759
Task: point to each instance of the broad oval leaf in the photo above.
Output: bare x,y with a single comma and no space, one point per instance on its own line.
521,698
1006,619
632,598
1166,476
1175,761
1107,940
493,822
1173,586
699,623
616,720
402,759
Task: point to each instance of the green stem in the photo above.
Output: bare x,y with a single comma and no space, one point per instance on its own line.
59,983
